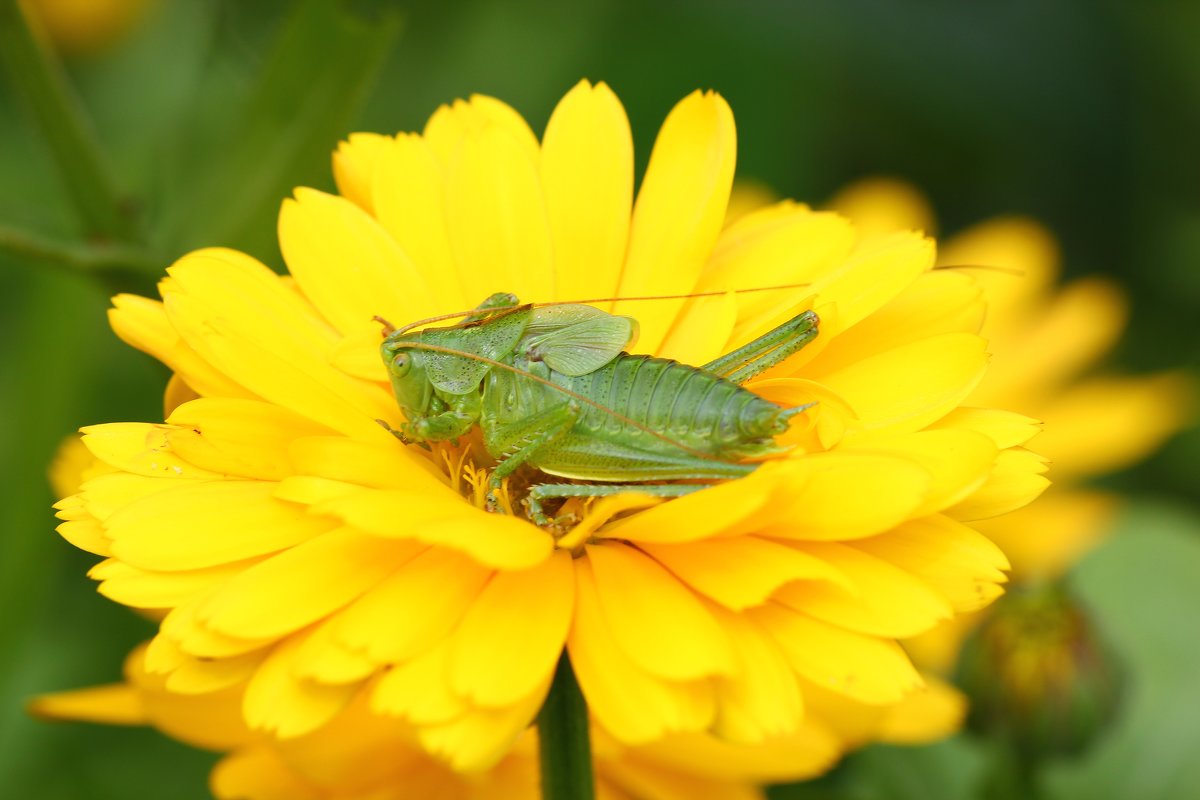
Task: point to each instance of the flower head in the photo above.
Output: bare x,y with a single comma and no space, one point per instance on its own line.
302,556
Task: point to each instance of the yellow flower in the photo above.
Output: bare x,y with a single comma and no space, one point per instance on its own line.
1044,340
360,755
302,555
84,26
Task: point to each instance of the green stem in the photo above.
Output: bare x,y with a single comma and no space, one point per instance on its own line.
64,126
118,268
563,740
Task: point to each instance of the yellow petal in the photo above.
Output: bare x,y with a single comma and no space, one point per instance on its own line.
140,448
710,512
1005,428
202,676
358,355
419,690
261,773
1076,518
347,265
384,464
587,177
958,461
634,705
659,624
748,195
510,640
804,753
931,713
246,438
437,587
1054,342
280,703
1015,480
883,600
477,740
864,668
176,394
283,356
679,210
935,303
937,650
701,332
113,704
138,588
873,276
762,700
822,498
142,323
1104,424
451,124
206,524
303,584
181,631
408,191
86,534
324,659
742,571
1025,253
496,218
961,565
910,386
778,246
820,427
103,496
881,206
495,540
354,162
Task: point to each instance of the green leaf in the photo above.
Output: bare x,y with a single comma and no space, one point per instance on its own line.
321,66
949,770
1142,587
65,128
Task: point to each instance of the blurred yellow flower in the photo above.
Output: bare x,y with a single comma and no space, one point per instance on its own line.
83,26
1045,341
303,558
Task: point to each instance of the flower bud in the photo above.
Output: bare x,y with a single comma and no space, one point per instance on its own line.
1038,675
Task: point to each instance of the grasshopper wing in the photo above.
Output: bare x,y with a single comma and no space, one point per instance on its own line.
461,374
575,339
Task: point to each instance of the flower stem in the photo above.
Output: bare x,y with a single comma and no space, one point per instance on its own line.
563,740
64,126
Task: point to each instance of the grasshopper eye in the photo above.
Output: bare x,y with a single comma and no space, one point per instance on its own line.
401,364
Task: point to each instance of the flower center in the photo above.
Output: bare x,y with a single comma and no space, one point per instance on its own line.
574,521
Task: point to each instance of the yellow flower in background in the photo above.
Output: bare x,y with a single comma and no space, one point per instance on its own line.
304,559
84,26
1046,341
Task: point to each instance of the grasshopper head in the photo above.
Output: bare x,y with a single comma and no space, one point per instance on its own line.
406,368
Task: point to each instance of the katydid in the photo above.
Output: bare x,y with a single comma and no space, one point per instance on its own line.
551,387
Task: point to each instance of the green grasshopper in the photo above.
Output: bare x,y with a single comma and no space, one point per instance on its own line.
550,386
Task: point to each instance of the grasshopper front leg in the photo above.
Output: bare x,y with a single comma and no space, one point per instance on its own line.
520,442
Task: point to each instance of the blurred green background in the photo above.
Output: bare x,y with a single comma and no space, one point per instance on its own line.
1083,114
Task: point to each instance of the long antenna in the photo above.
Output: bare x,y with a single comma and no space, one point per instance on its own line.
434,348
989,267
497,311
510,309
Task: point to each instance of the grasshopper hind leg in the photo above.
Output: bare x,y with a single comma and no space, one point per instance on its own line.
545,491
756,357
